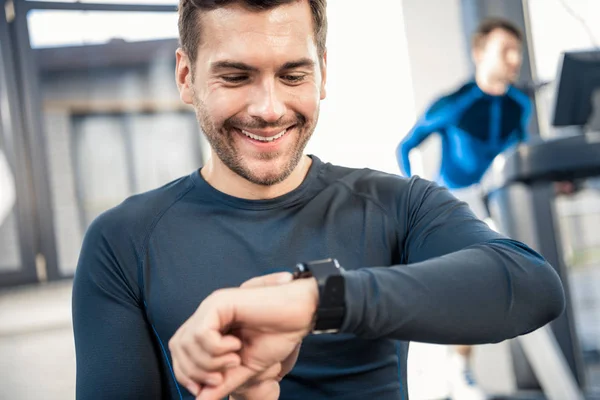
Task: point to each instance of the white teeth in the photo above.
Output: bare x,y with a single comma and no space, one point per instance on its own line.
262,138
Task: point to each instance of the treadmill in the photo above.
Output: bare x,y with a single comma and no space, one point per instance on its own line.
519,191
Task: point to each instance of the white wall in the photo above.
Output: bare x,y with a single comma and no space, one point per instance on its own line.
369,105
436,48
553,30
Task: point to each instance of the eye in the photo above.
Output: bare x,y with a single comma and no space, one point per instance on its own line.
293,78
234,78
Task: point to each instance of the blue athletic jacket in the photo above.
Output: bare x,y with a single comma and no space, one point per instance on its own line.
474,127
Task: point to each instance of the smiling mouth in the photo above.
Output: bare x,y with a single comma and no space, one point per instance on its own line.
265,139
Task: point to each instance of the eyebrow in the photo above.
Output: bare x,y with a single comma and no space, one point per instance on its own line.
303,62
240,66
225,64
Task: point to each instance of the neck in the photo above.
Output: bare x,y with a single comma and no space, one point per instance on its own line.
491,86
219,176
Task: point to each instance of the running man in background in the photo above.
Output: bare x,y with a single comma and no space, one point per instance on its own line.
480,120
484,117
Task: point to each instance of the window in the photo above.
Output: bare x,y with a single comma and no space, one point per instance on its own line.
10,259
114,125
51,28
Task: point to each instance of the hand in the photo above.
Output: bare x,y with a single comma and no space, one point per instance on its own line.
565,187
270,321
266,385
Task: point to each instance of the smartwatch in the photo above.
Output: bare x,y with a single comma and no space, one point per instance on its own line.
330,280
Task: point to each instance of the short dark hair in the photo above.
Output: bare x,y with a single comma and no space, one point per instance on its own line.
489,25
190,29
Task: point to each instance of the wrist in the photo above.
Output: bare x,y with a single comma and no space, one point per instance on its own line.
328,276
308,296
311,288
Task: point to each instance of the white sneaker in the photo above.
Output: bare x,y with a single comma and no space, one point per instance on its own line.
464,387
462,382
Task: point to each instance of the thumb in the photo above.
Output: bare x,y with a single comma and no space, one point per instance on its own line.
278,278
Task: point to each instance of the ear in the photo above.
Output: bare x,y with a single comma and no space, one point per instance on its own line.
324,76
183,76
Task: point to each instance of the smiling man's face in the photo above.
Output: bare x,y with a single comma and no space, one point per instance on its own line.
256,87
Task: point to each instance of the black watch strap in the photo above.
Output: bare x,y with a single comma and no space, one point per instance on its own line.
330,280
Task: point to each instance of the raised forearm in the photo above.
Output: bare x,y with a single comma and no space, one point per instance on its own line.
486,293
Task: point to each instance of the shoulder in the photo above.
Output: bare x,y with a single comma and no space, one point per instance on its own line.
390,192
132,220
114,243
450,99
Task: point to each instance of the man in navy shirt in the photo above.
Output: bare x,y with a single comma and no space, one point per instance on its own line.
476,122
158,311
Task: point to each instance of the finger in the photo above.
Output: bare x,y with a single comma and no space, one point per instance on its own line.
270,374
215,343
195,359
289,362
278,278
189,384
188,371
265,390
234,378
206,362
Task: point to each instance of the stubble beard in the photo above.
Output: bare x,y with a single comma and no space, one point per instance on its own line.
222,141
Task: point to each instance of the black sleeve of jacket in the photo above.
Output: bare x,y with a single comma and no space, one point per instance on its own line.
116,355
462,283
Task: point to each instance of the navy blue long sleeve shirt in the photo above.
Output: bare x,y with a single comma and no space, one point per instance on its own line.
420,267
474,127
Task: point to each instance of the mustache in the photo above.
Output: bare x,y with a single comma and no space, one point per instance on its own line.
259,123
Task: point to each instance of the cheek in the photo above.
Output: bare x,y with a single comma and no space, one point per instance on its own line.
222,104
494,62
305,100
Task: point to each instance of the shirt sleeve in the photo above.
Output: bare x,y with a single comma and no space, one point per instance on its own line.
435,118
461,282
116,355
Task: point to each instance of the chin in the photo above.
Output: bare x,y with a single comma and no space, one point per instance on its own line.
267,172
268,178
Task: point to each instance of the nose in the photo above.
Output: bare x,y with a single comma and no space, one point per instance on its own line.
266,102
